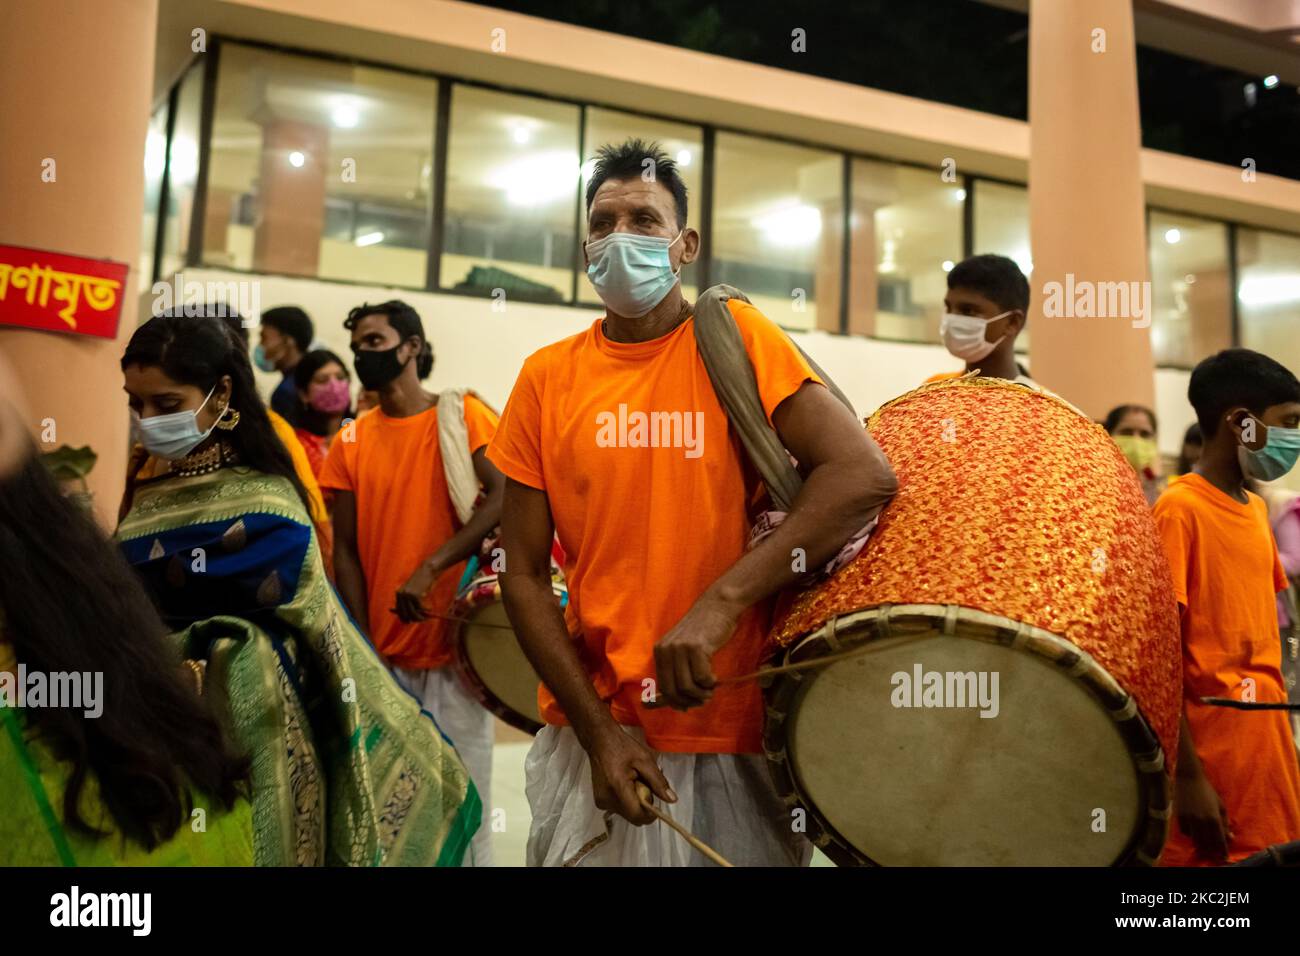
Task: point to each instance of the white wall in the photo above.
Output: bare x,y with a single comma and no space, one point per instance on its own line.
477,347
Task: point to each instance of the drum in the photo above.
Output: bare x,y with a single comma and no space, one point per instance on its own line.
487,655
1000,675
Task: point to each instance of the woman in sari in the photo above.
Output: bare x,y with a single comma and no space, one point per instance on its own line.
346,769
135,770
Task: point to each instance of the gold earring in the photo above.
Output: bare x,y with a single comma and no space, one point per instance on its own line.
229,418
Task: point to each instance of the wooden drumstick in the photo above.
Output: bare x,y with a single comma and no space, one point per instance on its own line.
773,671
647,800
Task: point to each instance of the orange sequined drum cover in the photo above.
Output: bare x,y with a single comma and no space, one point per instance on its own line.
1006,681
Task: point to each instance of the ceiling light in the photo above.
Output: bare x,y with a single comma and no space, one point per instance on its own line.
794,224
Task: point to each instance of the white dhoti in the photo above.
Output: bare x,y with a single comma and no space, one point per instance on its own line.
468,724
727,800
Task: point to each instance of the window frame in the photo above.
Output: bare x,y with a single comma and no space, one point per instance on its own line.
708,132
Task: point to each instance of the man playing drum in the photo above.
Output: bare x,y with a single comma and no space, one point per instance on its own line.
615,439
399,549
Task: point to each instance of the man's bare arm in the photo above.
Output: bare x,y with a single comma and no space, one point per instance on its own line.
349,577
463,544
847,480
617,759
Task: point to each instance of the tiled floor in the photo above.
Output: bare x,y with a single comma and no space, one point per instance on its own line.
510,830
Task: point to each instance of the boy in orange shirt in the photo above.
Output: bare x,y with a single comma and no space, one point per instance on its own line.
1237,788
399,553
615,439
984,311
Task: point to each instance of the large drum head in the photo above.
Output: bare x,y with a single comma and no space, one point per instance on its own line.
492,653
890,753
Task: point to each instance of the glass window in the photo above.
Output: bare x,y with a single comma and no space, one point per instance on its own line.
1001,226
906,235
182,171
512,195
1268,294
155,164
777,227
320,169
685,144
1190,291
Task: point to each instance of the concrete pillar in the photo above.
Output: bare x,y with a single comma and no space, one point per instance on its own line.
80,94
1086,199
291,199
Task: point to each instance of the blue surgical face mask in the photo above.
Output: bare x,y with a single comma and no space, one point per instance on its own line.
631,273
174,435
1276,458
261,361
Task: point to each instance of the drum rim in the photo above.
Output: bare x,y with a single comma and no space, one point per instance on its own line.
845,631
470,678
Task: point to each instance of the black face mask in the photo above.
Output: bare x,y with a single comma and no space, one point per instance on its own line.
376,368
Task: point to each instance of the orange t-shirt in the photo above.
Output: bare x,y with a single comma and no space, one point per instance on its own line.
404,514
650,511
1226,574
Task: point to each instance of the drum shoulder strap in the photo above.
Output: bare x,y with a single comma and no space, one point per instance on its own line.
732,374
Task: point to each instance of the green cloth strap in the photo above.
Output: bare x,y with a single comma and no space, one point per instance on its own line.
37,788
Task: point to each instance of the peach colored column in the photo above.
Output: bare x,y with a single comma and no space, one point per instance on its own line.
830,259
864,278
1086,202
81,89
291,199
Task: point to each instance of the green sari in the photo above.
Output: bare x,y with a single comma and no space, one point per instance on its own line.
32,833
347,769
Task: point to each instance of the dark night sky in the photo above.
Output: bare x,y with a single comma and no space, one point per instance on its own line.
954,51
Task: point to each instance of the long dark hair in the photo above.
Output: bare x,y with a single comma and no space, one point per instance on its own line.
195,350
316,422
71,603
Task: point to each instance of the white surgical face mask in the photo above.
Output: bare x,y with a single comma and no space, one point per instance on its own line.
631,273
174,435
963,335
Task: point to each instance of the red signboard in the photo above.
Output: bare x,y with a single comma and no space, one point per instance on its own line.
58,293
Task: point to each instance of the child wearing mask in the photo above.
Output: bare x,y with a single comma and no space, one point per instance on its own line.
986,307
1237,788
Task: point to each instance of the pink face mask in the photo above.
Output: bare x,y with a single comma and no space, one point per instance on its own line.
331,398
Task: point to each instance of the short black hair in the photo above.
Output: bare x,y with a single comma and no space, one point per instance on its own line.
1238,377
627,160
1193,435
997,278
405,321
291,321
1116,414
